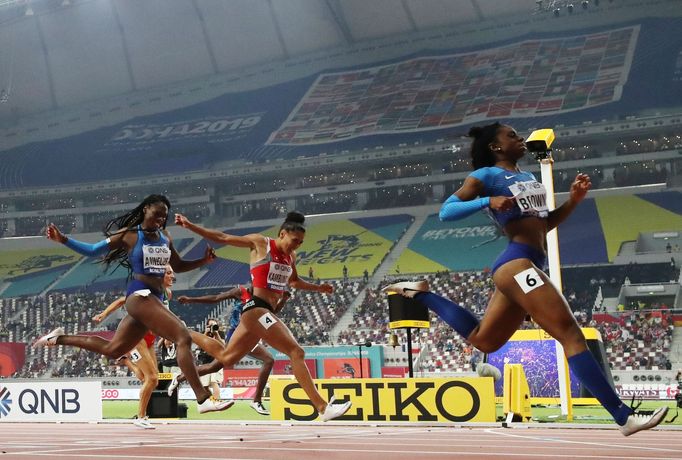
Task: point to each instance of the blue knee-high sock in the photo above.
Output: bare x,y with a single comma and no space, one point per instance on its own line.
586,368
460,319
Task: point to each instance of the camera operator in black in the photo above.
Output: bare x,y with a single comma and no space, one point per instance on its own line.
213,381
167,356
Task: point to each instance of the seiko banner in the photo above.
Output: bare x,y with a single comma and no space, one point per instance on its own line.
466,399
50,401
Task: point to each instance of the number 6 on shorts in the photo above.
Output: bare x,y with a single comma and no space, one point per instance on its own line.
528,280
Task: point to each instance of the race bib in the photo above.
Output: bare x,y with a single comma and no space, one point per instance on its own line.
278,276
135,355
155,259
531,198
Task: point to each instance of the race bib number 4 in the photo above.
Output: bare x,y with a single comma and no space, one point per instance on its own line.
155,259
267,320
531,198
528,280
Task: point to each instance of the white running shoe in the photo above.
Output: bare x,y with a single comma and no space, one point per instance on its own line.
259,407
334,410
173,384
638,422
144,423
214,405
407,288
50,339
488,370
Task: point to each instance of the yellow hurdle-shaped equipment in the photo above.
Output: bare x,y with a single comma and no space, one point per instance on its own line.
540,140
516,394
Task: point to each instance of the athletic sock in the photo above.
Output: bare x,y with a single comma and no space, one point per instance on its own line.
458,317
586,368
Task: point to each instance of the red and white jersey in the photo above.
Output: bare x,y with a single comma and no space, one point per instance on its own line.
273,271
246,295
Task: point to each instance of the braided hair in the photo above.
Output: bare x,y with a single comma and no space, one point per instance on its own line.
481,155
293,222
129,221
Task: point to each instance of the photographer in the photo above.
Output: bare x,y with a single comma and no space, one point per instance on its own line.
167,354
213,381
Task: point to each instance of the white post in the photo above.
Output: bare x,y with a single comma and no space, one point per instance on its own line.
554,265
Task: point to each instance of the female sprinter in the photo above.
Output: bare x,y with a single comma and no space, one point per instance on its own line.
241,295
141,243
273,270
142,359
518,203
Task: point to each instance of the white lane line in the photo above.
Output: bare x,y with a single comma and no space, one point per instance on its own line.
410,454
590,443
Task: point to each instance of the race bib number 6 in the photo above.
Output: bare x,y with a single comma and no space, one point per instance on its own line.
528,280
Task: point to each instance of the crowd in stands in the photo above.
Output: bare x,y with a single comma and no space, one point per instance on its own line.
635,339
399,196
650,143
327,203
326,179
639,173
397,171
260,210
33,316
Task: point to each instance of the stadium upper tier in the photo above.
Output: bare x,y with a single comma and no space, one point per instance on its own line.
563,78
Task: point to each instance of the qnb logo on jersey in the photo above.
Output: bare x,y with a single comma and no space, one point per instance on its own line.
5,402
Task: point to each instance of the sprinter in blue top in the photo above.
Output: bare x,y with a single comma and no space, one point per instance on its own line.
518,203
138,240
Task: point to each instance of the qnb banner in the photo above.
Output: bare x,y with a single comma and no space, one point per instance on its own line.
50,402
467,399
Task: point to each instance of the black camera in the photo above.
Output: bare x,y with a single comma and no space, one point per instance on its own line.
215,327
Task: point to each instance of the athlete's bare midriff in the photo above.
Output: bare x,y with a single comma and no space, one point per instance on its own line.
269,296
528,230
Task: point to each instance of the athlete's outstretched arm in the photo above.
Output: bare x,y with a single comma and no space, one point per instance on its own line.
298,283
579,189
85,249
112,307
181,265
246,241
233,293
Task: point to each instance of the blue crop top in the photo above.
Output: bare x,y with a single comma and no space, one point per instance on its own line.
149,257
531,197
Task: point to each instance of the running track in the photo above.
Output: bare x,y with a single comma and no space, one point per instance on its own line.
211,441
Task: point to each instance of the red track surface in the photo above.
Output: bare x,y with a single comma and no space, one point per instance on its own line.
208,441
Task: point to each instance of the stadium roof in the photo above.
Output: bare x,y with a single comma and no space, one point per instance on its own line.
58,54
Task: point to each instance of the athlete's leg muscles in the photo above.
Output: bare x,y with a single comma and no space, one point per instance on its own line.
260,353
548,307
162,322
129,332
277,335
501,319
148,367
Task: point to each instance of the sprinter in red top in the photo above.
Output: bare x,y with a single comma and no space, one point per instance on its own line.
273,270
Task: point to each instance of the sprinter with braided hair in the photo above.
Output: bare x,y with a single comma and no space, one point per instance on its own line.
138,240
